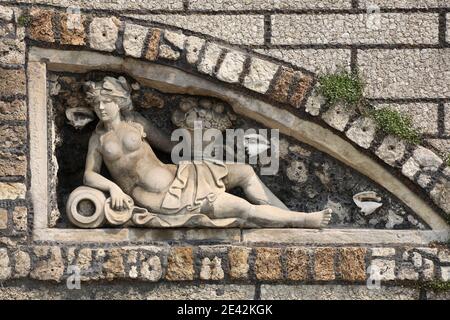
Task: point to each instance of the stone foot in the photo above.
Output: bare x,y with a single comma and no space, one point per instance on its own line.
318,220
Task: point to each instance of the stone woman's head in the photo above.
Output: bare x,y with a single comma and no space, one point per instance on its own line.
109,97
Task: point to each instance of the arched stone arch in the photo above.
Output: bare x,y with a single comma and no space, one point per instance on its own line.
273,93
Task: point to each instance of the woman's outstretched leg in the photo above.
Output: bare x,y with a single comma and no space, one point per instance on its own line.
230,206
242,175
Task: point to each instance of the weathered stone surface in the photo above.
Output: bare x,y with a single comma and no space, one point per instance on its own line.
49,268
440,145
211,269
362,132
391,28
441,194
445,273
22,264
383,252
428,270
5,268
232,5
260,75
210,58
153,44
447,114
201,292
268,264
103,33
238,260
431,295
180,264
72,29
3,219
84,260
299,93
336,292
447,37
407,272
297,262
444,255
12,136
391,150
12,50
166,52
41,251
134,39
12,164
237,30
351,264
404,4
177,39
15,110
41,27
314,103
19,217
117,5
151,269
6,30
344,236
297,172
423,162
324,264
321,61
12,81
6,13
338,116
382,269
231,67
114,265
12,191
400,73
281,88
193,47
424,116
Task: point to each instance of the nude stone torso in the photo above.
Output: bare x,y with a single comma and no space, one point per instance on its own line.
132,163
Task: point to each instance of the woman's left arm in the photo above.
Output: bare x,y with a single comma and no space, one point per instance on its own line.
156,137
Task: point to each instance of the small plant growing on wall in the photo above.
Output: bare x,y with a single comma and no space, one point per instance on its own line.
397,124
342,87
24,20
347,88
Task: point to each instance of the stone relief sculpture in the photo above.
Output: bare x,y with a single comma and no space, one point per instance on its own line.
145,192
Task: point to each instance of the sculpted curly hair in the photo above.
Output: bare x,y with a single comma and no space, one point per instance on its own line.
117,89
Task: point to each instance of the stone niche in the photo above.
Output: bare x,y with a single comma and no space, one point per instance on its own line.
308,179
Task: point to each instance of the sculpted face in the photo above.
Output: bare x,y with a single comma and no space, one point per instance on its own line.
106,109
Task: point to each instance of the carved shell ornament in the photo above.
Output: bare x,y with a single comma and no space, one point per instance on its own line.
255,144
368,202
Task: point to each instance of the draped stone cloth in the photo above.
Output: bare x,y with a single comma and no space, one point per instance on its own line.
195,183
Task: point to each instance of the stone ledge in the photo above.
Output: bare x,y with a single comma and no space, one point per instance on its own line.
249,236
136,235
336,292
344,236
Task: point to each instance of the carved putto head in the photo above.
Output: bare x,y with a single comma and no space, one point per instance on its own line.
117,89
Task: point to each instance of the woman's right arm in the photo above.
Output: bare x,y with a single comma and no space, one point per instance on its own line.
94,179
